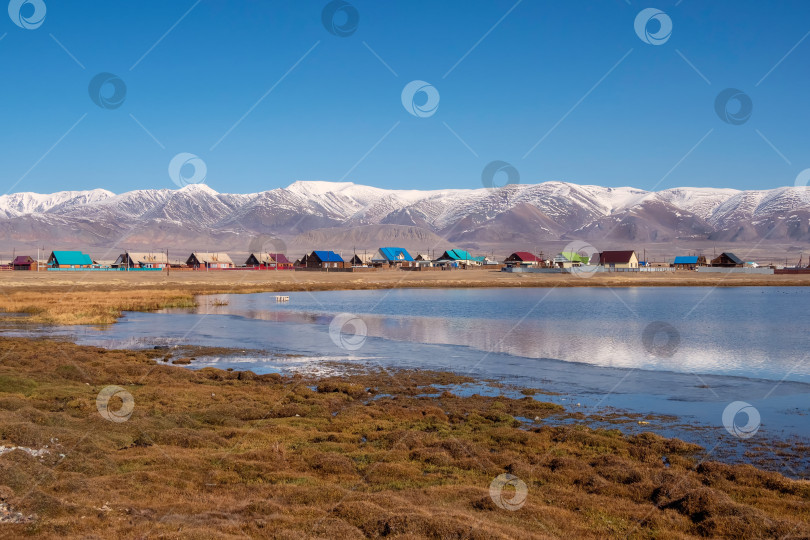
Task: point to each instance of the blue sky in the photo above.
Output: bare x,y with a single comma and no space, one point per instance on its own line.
606,107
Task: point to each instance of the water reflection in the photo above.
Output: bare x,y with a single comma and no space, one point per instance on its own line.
751,332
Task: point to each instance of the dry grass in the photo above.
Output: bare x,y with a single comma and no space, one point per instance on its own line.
89,307
99,297
220,454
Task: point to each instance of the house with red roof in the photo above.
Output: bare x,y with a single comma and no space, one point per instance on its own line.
24,262
523,258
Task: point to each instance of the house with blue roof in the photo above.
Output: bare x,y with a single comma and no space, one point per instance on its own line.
689,262
392,257
324,259
457,257
69,259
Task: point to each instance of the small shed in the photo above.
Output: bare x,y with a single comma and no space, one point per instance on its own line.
69,259
324,259
728,260
24,262
618,259
209,260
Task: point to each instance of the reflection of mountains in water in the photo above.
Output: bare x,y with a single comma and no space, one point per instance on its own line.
597,342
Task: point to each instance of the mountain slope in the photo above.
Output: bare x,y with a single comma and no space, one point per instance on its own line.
342,215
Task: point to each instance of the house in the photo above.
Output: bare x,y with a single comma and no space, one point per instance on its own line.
456,257
134,259
258,259
392,256
24,262
727,259
268,260
281,260
324,259
618,259
360,260
570,259
524,258
209,260
423,260
689,262
69,259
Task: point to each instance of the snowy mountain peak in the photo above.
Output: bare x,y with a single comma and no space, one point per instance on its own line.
197,188
520,213
318,187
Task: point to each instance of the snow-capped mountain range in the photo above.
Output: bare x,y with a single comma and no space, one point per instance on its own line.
327,215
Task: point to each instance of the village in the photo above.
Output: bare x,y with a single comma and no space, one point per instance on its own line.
396,258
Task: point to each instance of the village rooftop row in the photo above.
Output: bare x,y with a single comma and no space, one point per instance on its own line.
386,257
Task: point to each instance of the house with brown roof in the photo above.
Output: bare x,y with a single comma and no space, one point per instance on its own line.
209,260
135,259
727,260
618,259
268,260
360,259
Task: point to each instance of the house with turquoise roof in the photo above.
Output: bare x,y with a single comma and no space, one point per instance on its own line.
69,259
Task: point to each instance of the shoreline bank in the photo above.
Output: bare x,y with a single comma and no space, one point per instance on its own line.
353,455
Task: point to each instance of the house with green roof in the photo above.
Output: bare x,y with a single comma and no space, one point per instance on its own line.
69,259
569,259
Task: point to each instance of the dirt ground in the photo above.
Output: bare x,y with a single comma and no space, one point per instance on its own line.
239,280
